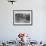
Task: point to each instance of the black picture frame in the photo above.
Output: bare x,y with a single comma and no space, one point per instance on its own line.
20,13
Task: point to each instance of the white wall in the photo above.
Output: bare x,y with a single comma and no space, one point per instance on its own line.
38,30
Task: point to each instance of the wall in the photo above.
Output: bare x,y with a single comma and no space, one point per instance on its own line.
38,30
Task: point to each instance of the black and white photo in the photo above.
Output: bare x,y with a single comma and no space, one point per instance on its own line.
22,16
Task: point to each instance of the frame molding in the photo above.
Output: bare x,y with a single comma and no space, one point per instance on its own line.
24,24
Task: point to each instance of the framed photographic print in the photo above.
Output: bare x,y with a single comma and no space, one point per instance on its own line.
22,17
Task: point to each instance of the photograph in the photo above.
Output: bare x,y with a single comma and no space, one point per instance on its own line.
22,16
